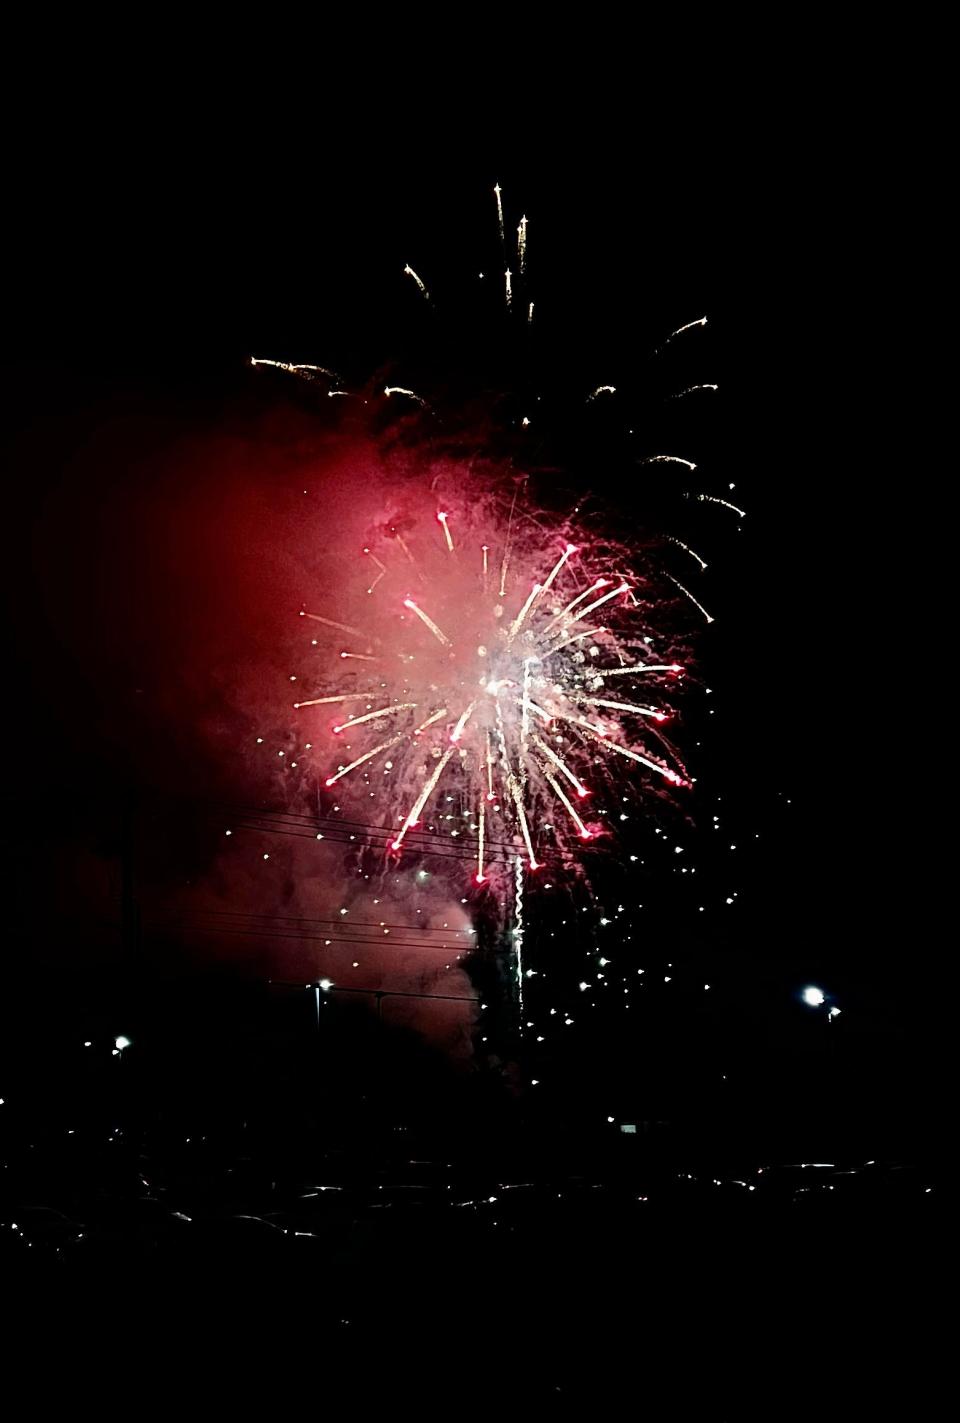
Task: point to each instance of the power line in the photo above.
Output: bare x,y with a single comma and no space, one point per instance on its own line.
340,923
258,931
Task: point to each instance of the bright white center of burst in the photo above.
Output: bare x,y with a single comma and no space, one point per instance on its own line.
813,996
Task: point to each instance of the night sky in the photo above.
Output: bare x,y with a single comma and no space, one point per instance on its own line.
485,1231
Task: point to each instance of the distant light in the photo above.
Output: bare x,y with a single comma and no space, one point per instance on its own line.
121,1042
813,997
326,984
611,1119
629,1127
834,1013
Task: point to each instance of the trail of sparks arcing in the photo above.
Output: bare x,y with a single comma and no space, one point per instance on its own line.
701,321
565,800
655,712
374,715
561,765
712,499
329,701
597,603
668,459
329,622
692,552
290,368
442,519
402,390
367,756
408,271
695,601
438,634
600,583
414,814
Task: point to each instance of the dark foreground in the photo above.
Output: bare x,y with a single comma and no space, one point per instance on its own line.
202,1279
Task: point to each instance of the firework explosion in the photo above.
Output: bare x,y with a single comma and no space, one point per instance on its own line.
488,674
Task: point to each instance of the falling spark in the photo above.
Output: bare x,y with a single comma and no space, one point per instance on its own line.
328,622
688,390
664,771
549,580
435,716
409,272
418,805
711,499
627,707
298,369
440,636
485,550
367,756
638,668
481,828
525,705
382,567
359,656
514,789
340,697
592,607
701,321
496,189
508,286
522,245
561,795
503,571
517,623
574,637
599,583
688,594
402,542
373,715
668,459
460,727
561,765
402,390
692,552
530,314
602,390
446,532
